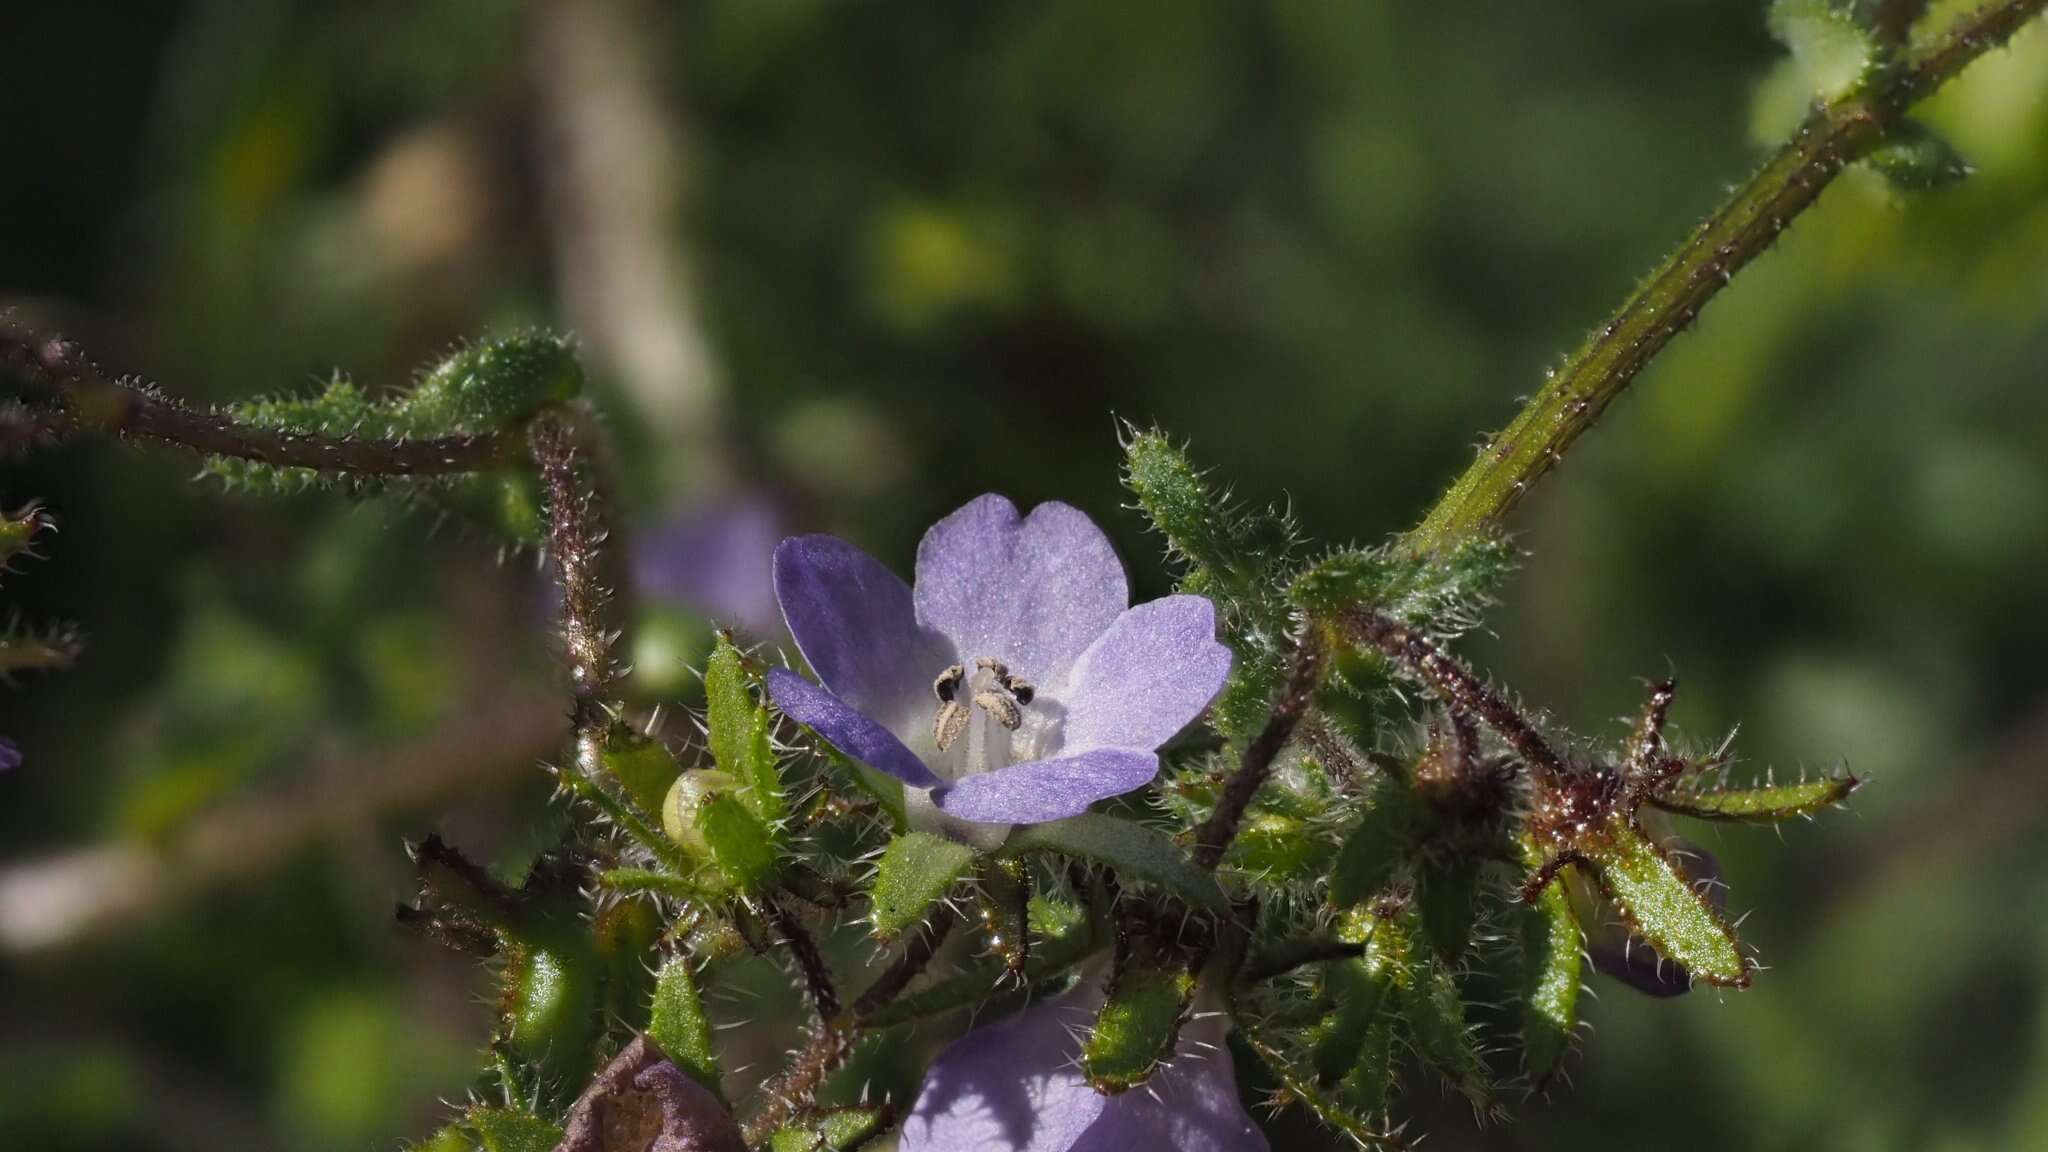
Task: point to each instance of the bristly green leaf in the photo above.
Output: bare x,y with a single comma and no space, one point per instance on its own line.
1916,158
1238,560
1767,804
740,733
19,530
1447,903
835,1131
491,385
644,768
677,1023
1661,905
1136,1031
1377,845
552,1010
915,872
740,847
511,1130
1435,1011
1552,959
1442,593
1135,851
1361,989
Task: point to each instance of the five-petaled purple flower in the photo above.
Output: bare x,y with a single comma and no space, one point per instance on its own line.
1015,684
1016,1086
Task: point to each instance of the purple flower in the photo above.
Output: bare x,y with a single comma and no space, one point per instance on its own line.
715,560
10,755
1015,685
1016,1086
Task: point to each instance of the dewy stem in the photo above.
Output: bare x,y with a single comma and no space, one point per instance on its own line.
1833,136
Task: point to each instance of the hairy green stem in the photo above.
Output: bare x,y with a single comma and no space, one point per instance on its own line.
76,398
1833,136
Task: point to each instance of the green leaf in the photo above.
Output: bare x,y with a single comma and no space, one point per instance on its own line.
1552,958
1442,592
1662,906
553,1010
677,1023
740,733
1133,850
1171,491
1137,1027
1360,990
644,768
1916,158
511,1130
739,846
1435,1010
1765,805
834,1131
1447,900
1832,44
916,871
1375,847
491,385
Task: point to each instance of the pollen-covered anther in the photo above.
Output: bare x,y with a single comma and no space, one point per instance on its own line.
1001,706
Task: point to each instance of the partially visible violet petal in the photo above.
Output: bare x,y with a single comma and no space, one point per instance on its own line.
1012,1086
1145,678
852,619
1016,1086
1031,591
1191,1105
1044,790
10,755
718,560
847,728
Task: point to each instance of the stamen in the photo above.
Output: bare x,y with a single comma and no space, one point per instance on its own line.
947,684
950,722
1000,706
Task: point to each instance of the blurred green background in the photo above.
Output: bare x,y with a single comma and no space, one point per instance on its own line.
871,259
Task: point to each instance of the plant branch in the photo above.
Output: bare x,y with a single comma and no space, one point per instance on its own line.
1213,838
575,530
832,1042
76,398
1836,134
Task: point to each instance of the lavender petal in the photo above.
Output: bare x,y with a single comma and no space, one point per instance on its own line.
853,621
1032,591
1146,677
847,728
1040,791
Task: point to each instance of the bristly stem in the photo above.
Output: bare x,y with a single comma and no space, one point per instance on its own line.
832,1041
1833,136
575,532
75,398
1213,838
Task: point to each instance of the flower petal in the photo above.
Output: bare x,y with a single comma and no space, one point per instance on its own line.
1031,591
1043,790
1146,677
718,560
853,621
1012,1086
847,728
1190,1105
1016,1086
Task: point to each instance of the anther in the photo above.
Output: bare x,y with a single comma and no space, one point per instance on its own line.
949,723
947,684
1000,706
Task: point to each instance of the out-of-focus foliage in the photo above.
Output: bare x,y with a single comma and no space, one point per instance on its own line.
933,243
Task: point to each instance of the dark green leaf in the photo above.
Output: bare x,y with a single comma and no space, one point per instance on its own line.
677,1023
1765,805
1135,851
1137,1027
740,728
1662,906
1552,958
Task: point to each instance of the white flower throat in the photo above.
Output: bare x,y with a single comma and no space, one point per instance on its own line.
985,720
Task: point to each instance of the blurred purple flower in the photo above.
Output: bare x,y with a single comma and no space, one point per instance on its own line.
716,560
1630,959
1016,1086
1015,683
10,755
